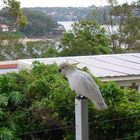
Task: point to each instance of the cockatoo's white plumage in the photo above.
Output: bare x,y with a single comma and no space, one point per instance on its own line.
83,84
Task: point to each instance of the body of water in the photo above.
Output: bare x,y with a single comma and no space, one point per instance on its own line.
67,26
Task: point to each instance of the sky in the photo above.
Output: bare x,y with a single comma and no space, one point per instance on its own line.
66,3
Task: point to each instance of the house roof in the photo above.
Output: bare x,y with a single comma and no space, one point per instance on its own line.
103,66
8,66
3,26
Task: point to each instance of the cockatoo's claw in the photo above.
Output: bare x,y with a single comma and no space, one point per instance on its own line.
80,97
83,97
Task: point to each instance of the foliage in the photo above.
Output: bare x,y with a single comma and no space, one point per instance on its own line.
40,99
16,12
6,134
41,49
9,46
120,119
66,13
17,98
39,24
86,38
128,26
75,13
13,47
35,101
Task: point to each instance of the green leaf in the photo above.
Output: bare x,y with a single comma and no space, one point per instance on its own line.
17,97
2,114
3,100
87,37
6,134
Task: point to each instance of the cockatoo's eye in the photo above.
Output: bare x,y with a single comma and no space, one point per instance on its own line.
61,69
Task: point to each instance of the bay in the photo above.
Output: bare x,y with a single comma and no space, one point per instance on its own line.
68,26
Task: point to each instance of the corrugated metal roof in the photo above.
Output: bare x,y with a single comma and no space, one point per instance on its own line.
114,65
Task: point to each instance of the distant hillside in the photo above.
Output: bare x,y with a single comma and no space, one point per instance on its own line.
76,14
43,20
73,13
39,24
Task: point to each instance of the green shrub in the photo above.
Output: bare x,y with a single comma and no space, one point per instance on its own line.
40,100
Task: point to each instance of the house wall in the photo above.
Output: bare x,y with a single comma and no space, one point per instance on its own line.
5,30
132,81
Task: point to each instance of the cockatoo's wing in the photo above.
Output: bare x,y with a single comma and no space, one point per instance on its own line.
84,85
86,75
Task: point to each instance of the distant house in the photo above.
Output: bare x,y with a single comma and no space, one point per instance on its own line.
4,28
14,30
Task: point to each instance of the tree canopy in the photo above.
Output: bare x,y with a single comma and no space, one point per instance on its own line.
12,47
16,11
86,38
39,24
128,26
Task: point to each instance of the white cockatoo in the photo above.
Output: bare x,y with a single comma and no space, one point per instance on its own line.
83,84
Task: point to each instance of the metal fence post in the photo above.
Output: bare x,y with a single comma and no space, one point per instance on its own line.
81,119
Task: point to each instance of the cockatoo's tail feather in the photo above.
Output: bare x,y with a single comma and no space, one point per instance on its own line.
100,106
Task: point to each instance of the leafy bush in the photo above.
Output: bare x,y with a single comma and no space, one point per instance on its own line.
41,101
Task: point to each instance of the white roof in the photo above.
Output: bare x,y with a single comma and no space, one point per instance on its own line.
114,65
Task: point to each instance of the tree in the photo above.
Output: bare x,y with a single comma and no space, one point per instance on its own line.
10,41
12,47
9,46
128,25
40,49
85,38
15,10
39,24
